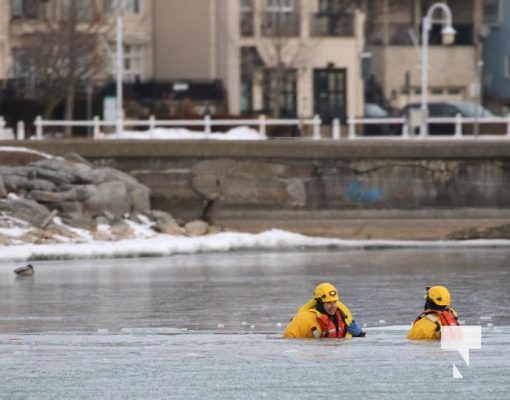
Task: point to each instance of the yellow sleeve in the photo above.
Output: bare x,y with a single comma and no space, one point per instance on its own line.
346,311
302,324
425,328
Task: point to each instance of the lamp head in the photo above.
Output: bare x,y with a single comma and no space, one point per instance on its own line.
448,34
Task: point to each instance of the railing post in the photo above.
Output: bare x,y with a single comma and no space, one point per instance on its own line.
207,125
96,134
38,127
20,130
262,125
152,125
508,125
458,125
351,122
336,132
405,129
119,123
316,127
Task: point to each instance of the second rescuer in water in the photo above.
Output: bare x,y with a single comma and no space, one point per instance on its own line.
437,313
323,316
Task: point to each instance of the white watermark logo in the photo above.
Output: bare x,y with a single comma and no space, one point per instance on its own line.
462,339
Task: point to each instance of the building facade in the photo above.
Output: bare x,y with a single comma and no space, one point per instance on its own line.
285,58
288,58
496,56
393,34
21,19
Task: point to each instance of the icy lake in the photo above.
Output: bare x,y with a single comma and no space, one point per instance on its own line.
208,326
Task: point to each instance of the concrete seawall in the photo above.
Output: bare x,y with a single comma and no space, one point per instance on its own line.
351,189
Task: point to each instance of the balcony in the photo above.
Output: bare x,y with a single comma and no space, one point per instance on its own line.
280,24
397,34
332,24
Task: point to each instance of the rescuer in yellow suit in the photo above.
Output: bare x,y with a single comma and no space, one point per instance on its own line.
437,313
323,316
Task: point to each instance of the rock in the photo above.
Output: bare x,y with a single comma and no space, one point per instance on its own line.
196,228
140,197
78,159
27,210
58,197
121,229
165,223
207,177
65,171
15,183
157,215
69,209
495,232
108,196
80,222
169,228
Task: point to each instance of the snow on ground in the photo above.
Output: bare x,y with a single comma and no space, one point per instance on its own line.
239,133
147,243
12,149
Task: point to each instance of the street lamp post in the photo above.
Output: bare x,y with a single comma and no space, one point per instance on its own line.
448,34
119,76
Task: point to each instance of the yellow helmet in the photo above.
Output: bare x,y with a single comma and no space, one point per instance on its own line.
326,292
439,295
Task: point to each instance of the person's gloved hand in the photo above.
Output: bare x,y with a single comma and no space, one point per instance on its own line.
355,329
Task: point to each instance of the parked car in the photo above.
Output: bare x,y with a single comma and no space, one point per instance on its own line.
448,109
373,110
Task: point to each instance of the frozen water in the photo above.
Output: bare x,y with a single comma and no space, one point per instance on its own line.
209,326
205,365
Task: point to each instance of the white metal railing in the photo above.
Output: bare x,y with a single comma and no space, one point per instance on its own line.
151,123
401,127
459,122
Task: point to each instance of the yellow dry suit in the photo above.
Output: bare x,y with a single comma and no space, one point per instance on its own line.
428,324
309,323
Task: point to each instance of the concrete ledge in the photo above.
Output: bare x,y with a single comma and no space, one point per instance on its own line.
278,149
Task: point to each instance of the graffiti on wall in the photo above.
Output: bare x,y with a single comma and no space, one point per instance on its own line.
356,193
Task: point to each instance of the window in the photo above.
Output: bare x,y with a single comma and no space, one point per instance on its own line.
84,10
246,6
246,19
283,6
133,63
492,12
333,6
123,7
333,19
280,92
25,8
20,64
280,19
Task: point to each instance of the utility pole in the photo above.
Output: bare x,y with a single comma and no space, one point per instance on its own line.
119,76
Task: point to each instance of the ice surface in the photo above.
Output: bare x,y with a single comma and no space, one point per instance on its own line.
208,326
250,366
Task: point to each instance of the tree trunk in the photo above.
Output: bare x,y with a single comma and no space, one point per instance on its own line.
69,108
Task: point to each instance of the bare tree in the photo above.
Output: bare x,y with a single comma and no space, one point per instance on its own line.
62,49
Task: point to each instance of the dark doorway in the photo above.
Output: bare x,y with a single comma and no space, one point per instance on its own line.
330,93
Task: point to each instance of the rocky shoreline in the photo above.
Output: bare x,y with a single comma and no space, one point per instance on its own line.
46,199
